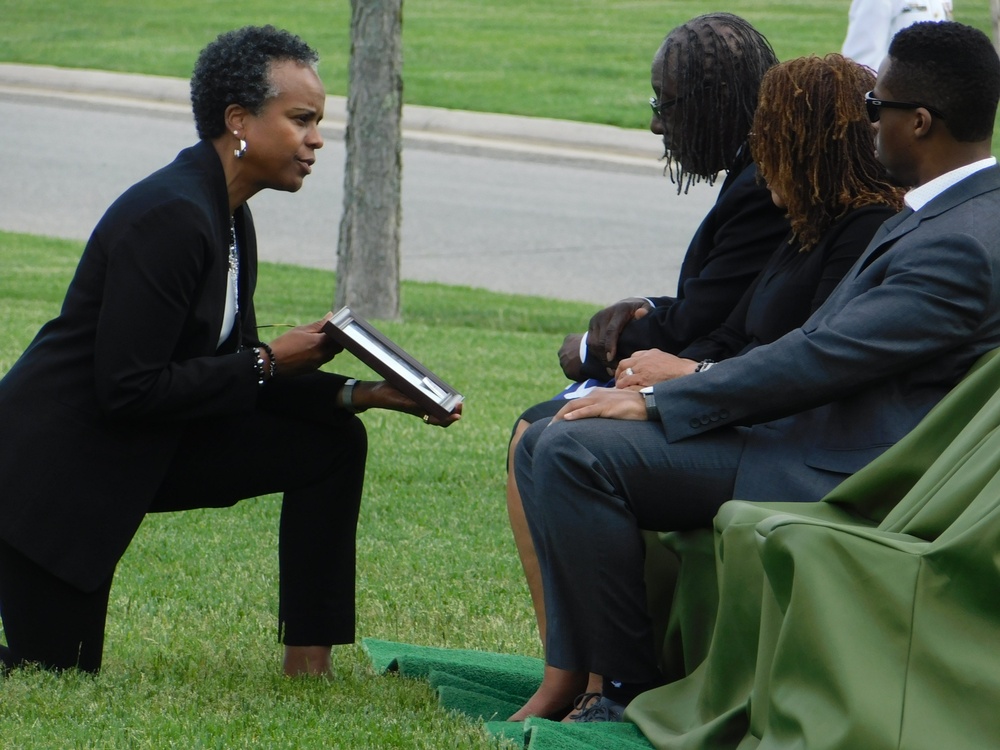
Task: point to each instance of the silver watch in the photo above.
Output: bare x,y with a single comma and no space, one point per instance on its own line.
347,396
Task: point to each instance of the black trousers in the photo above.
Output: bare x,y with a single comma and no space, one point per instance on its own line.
319,467
46,620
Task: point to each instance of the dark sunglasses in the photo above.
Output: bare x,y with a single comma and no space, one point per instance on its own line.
659,107
873,106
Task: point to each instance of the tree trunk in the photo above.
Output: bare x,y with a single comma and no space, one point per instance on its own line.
368,247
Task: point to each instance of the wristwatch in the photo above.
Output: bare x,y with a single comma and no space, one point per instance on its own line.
347,396
652,413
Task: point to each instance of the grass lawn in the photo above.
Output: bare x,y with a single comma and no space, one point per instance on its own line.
582,60
191,655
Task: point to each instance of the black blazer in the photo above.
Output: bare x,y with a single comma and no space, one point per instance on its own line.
95,406
791,287
733,243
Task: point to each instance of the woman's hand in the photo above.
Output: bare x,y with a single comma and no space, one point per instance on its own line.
608,403
303,349
649,367
369,394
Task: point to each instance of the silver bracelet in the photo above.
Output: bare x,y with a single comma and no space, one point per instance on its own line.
347,396
258,364
272,362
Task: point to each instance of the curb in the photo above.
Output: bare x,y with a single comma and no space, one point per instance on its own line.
433,127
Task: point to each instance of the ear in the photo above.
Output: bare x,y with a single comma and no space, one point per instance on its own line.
235,118
922,122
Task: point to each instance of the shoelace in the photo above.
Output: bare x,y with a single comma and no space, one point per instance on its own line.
601,710
583,701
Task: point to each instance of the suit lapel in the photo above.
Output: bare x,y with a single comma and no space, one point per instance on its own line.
884,238
907,220
892,222
903,223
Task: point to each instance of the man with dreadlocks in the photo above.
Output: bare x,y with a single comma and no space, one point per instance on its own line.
705,77
791,419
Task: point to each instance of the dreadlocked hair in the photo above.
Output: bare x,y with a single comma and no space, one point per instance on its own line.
814,144
718,60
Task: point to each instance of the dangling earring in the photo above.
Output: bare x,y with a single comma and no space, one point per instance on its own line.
239,152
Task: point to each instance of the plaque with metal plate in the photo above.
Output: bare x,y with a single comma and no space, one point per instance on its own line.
409,376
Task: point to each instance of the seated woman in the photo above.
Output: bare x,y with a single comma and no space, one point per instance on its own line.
812,141
836,195
151,392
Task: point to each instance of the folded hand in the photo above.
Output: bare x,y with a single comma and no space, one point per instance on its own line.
569,357
606,326
649,367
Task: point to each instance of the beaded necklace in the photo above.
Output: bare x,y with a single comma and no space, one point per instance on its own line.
234,266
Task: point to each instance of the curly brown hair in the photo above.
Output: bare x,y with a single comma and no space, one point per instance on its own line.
814,144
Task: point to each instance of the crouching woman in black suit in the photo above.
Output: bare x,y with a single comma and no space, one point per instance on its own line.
151,392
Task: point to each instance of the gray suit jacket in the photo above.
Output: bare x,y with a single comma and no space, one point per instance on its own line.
914,313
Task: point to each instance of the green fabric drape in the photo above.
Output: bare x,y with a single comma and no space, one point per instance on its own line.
894,568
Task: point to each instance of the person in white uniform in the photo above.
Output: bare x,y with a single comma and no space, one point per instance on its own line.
872,24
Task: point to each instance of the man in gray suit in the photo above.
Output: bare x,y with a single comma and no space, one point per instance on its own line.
789,420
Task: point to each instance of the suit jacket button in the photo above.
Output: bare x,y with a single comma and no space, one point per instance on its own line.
714,416
696,423
723,414
705,420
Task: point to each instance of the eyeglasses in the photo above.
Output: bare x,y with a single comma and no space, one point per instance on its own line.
873,106
659,107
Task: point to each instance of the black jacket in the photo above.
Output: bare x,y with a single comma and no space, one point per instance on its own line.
730,247
94,408
791,287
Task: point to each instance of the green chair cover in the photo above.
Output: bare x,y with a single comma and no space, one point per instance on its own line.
916,490
883,639
688,620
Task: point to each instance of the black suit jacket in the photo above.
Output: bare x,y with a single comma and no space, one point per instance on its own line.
791,287
96,405
733,243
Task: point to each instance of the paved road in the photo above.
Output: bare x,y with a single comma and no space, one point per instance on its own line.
508,204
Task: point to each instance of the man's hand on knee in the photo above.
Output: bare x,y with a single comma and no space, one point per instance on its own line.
607,403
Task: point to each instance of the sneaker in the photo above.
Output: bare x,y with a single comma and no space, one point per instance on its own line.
603,709
581,702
